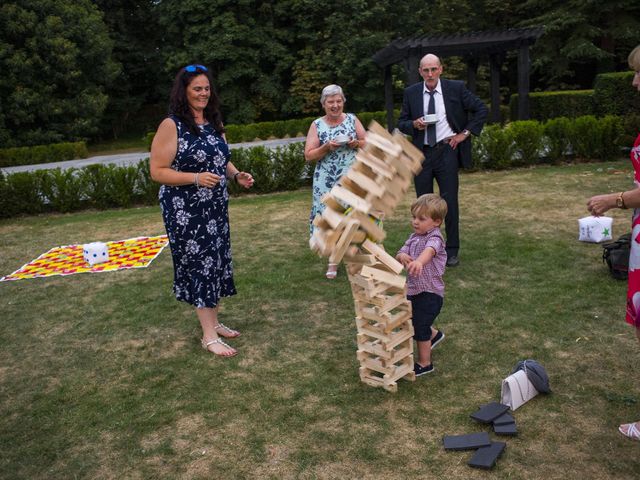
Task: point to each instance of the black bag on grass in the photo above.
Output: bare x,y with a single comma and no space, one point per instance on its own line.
616,255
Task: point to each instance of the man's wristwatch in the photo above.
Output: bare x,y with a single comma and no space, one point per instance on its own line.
466,132
620,201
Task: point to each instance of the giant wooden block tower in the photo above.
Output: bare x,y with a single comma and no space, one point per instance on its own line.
348,229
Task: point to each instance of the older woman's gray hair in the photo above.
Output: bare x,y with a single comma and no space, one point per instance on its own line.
330,90
634,59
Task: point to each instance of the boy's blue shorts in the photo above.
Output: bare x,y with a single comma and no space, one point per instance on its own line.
426,306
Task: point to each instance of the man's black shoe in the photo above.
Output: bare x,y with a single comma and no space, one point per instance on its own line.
453,261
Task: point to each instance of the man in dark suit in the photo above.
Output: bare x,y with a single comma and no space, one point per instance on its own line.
453,114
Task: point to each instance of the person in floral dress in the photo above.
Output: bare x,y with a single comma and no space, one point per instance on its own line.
599,204
190,158
332,157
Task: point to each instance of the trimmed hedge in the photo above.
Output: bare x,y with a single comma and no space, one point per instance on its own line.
110,186
56,152
529,142
614,95
519,143
545,105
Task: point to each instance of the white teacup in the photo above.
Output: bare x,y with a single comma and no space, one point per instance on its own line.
430,118
341,139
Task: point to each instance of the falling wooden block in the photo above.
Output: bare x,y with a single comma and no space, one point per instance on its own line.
380,253
369,225
346,237
351,199
381,276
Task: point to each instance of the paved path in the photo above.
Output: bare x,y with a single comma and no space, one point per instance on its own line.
134,158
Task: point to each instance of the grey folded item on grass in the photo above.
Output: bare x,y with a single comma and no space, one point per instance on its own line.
536,374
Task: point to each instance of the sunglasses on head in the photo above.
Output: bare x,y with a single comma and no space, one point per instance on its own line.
195,67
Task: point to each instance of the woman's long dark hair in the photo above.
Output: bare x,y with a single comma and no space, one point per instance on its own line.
179,105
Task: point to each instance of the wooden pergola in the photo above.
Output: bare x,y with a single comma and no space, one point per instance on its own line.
472,47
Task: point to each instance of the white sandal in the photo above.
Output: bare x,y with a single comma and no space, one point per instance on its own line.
631,431
230,332
218,341
332,271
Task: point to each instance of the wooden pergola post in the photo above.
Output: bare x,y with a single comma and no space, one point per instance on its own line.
388,96
495,62
523,82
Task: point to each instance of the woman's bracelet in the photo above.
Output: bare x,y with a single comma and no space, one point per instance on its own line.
235,176
195,180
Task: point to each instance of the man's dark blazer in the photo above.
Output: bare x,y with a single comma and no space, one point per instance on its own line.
465,111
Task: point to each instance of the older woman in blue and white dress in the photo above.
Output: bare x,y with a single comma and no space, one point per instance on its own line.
331,143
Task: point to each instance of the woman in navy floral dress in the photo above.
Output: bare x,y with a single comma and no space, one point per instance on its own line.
190,158
333,158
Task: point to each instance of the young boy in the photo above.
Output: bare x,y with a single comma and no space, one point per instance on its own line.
424,257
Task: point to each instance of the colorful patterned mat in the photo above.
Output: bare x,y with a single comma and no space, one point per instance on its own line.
131,253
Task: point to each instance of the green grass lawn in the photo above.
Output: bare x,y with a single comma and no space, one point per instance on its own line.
102,376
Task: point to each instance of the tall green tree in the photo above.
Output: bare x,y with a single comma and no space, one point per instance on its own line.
55,59
133,29
581,38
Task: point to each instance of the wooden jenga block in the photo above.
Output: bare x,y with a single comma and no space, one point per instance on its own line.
368,185
382,276
384,144
352,186
331,218
375,164
360,258
346,237
369,225
351,199
414,155
380,253
332,203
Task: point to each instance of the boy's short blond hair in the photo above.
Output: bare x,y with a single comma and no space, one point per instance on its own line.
429,205
634,59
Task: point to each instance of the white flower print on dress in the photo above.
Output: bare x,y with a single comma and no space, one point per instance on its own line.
204,194
182,217
182,145
200,156
178,203
212,227
192,247
207,263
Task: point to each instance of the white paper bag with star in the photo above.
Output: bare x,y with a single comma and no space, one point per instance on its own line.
595,229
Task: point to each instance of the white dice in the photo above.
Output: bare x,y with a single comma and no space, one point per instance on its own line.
95,252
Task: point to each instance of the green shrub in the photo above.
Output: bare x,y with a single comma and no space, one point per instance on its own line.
527,136
288,166
556,132
121,185
260,165
55,152
499,147
630,126
593,138
95,179
63,188
614,94
546,105
146,189
583,136
23,194
148,140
